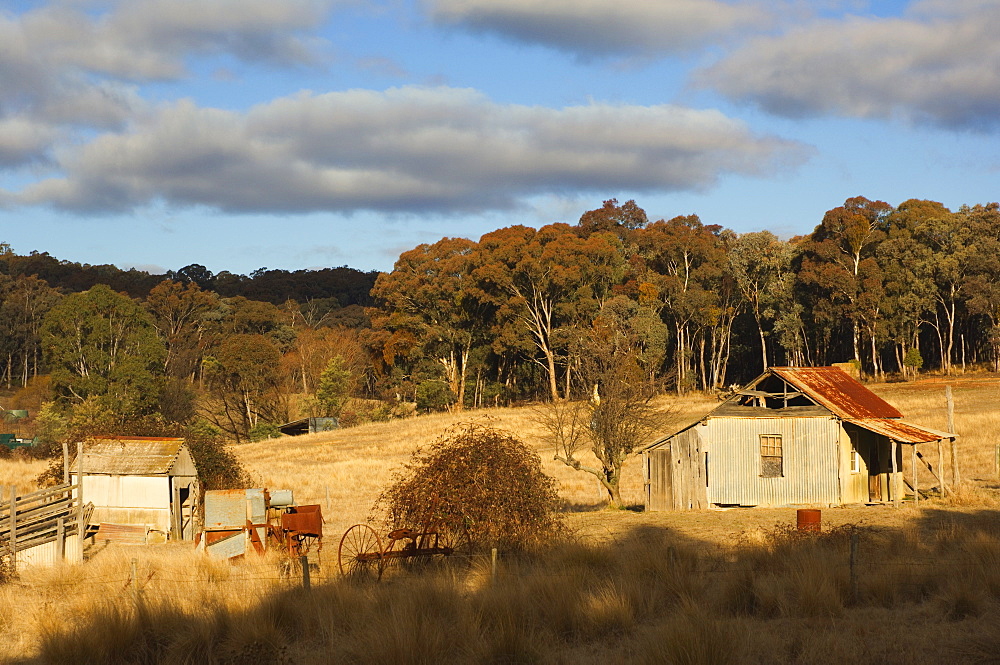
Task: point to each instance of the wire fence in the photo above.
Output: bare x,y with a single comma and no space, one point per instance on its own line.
854,562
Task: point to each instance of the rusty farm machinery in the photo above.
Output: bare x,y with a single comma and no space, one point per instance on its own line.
364,555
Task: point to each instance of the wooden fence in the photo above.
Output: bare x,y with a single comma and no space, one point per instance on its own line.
47,516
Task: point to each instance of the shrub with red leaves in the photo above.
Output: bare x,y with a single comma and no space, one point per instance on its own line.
481,486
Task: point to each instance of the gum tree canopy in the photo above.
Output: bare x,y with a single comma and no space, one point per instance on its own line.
102,344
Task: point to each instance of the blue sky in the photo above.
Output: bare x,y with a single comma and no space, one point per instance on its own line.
240,134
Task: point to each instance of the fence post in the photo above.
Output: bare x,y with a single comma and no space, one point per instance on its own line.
13,528
493,567
61,538
854,566
135,580
956,477
304,561
81,527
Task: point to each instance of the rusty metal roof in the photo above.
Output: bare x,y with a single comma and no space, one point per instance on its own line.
899,431
130,456
838,391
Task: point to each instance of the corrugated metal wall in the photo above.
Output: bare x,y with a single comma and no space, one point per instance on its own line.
127,491
141,500
810,461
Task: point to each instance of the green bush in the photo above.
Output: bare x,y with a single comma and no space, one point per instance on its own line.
263,430
913,359
217,467
433,395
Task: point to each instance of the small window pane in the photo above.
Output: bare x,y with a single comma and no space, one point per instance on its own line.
770,456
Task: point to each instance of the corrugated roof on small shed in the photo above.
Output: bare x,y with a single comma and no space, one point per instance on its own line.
900,431
130,456
838,391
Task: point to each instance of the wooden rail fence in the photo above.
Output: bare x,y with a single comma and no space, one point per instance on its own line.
39,518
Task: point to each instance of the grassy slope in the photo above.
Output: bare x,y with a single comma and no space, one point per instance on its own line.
354,464
617,600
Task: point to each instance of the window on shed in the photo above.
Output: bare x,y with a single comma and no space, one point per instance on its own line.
770,456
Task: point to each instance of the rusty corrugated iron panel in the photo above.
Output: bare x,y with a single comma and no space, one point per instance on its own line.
125,534
130,456
838,391
897,430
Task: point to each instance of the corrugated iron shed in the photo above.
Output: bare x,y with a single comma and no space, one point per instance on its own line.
899,431
131,456
838,391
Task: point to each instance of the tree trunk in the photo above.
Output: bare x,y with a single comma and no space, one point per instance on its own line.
856,334
763,345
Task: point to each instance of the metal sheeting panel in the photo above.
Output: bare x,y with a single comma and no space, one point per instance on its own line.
138,455
127,491
225,509
257,511
156,519
232,545
48,554
900,431
810,464
838,391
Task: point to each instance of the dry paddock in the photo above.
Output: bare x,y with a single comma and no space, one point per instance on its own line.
716,586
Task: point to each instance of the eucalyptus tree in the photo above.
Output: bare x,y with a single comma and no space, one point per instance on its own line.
761,265
832,267
24,302
547,281
983,281
909,290
949,240
430,296
179,316
102,344
687,264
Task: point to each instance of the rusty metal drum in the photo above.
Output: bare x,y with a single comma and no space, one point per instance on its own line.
809,520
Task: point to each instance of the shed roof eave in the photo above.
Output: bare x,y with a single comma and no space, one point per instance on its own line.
659,442
899,431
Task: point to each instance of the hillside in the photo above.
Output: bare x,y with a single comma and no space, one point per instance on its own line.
700,587
355,464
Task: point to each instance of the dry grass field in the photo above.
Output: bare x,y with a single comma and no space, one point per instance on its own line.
721,586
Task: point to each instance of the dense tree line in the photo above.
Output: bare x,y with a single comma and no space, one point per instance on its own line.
329,288
522,314
178,353
892,289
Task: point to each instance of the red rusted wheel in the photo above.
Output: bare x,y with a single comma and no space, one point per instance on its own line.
360,553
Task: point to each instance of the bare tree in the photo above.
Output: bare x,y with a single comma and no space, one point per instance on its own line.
615,421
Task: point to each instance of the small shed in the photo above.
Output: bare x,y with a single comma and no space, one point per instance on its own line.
793,436
309,426
139,481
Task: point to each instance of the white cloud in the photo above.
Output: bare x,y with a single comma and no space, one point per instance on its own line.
938,64
598,28
74,65
406,149
23,141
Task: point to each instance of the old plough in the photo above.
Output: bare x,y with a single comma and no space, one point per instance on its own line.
364,555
